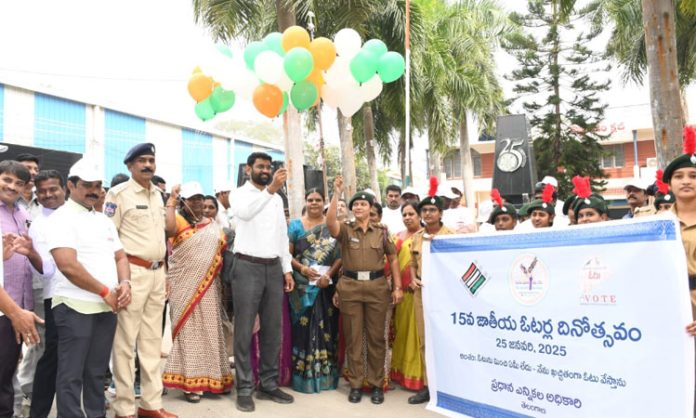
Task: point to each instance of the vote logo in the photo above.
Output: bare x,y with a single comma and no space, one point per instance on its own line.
528,279
594,286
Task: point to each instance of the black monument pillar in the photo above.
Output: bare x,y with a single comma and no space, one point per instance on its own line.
514,172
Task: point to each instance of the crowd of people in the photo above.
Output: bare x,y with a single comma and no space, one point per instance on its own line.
102,286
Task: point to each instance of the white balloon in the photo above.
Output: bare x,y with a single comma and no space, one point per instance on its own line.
371,88
339,75
347,43
350,102
269,67
246,82
284,83
330,95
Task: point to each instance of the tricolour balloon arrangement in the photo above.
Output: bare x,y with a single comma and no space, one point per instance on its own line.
289,69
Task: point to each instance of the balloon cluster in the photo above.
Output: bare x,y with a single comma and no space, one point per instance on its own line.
289,69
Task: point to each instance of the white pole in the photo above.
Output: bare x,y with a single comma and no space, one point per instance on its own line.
407,133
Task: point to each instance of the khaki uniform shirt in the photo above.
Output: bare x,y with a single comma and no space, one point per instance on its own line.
364,251
417,248
139,216
688,234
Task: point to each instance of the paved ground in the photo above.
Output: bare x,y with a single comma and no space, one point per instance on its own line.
330,404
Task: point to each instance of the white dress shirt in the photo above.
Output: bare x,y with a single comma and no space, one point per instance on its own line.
393,220
93,236
460,219
261,227
38,233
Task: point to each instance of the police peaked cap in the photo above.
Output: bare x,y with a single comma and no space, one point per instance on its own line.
364,195
145,148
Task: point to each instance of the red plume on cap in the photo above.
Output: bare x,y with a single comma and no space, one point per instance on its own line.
432,192
689,140
495,196
662,187
547,195
582,187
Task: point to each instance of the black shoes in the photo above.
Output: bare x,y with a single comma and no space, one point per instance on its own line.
355,395
275,395
377,396
422,396
245,403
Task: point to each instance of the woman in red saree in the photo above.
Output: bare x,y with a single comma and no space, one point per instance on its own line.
198,361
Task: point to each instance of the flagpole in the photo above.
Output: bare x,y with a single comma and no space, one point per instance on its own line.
312,27
407,133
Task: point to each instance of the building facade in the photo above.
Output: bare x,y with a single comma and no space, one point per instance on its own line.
33,118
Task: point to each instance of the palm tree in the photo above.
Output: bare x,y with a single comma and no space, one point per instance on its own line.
666,46
458,74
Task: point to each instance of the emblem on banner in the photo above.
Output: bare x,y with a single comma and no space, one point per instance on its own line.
593,277
473,279
529,279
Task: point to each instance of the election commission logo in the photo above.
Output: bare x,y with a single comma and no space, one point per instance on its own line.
528,279
473,279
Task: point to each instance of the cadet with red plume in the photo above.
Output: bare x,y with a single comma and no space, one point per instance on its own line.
504,215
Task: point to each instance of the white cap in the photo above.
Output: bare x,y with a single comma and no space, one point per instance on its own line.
485,209
87,170
638,183
447,192
550,180
227,186
190,189
410,190
370,191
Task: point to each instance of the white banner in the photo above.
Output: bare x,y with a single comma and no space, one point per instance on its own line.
587,321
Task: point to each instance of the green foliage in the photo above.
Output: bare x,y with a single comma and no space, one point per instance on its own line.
627,42
558,86
261,131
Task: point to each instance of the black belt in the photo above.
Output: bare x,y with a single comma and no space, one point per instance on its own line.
692,282
378,274
257,260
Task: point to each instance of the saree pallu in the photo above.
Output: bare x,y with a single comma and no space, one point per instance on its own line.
198,361
314,318
406,364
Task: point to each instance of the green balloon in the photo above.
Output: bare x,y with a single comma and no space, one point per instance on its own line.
298,64
274,42
204,110
221,100
224,50
377,47
284,107
251,52
363,65
391,66
303,94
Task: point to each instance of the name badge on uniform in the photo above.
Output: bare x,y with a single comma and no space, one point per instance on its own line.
141,206
353,239
363,275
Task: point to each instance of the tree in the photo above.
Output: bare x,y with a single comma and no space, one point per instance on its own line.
334,166
558,92
665,47
456,73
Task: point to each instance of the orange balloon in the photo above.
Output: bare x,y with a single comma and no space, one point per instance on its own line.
268,99
317,78
200,86
295,36
324,53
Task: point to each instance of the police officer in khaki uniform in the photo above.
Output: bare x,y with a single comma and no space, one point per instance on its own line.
363,292
141,219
